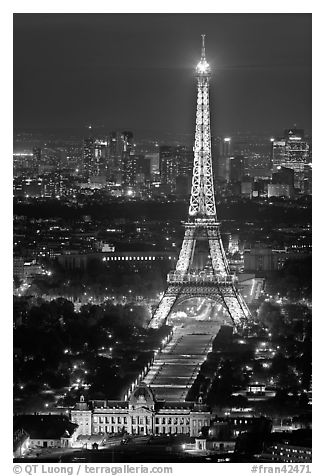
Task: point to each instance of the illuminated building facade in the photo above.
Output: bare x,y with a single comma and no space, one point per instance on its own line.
143,166
184,159
88,155
264,259
154,164
282,183
75,260
279,190
168,166
176,166
120,149
292,151
222,155
94,157
129,169
141,414
288,453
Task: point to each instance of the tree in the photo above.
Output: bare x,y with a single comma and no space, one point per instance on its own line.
270,316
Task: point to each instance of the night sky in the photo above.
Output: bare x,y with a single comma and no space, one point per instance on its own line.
136,71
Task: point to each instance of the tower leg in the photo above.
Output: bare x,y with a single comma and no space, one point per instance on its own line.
186,254
237,309
163,310
217,252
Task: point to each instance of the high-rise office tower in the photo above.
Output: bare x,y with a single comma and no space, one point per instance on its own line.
88,156
222,153
236,168
176,166
168,166
114,162
292,151
129,169
94,156
120,146
226,147
184,163
128,159
184,158
100,157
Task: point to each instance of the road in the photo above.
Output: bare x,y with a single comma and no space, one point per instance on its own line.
176,367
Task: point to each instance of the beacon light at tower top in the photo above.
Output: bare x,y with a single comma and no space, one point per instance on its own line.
203,66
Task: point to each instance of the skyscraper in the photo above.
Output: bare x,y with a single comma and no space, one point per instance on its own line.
292,151
168,166
176,166
88,156
236,168
184,160
94,157
120,148
128,159
129,169
222,152
154,164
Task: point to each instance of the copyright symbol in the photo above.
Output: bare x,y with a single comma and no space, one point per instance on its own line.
17,469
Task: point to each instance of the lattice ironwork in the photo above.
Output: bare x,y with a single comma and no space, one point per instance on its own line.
214,281
202,202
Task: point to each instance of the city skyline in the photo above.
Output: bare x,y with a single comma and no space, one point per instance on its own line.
139,336
74,70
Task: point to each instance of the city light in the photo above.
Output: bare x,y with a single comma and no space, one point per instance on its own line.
203,67
103,211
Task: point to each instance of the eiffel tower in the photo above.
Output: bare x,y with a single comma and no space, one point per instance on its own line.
202,269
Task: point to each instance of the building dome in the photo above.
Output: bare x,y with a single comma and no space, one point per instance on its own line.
142,396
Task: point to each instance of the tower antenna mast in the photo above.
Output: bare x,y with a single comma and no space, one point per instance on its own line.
203,47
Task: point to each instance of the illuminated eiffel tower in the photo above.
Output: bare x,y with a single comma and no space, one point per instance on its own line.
202,269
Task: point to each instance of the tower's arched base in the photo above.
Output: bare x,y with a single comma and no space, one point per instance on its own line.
190,310
224,294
